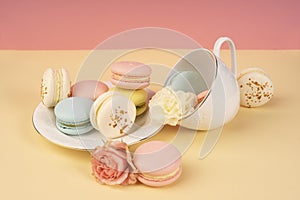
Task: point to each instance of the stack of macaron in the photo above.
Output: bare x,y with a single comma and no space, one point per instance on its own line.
115,112
91,104
130,79
71,103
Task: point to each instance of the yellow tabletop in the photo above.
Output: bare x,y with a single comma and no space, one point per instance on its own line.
256,157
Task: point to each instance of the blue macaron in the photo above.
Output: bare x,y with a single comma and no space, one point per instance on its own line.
73,115
187,81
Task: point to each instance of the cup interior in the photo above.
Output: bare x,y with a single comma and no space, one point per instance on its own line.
194,73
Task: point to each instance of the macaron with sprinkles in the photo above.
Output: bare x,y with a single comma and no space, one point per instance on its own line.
256,87
113,114
55,86
138,97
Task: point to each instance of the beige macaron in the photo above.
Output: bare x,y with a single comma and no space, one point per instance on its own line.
256,88
55,86
113,114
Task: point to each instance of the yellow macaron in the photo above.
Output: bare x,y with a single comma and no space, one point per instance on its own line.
138,97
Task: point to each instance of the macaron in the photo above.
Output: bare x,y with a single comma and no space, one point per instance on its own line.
202,95
73,115
150,92
89,89
130,75
256,88
158,163
187,81
138,97
113,114
55,86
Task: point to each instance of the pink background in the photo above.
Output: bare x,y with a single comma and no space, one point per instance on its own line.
82,24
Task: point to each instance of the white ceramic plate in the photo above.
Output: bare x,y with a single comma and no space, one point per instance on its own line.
44,122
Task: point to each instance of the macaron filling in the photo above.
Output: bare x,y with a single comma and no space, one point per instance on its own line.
124,78
58,86
148,176
65,126
96,111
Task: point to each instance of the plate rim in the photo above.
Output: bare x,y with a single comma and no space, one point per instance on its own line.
81,147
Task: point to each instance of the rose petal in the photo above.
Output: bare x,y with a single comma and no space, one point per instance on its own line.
121,152
131,179
119,180
118,145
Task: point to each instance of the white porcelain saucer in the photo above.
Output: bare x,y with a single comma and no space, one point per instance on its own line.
44,122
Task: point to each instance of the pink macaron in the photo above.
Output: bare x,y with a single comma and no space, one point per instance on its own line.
202,95
158,163
150,93
130,75
89,89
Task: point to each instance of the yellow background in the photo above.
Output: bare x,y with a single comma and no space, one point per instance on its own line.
257,156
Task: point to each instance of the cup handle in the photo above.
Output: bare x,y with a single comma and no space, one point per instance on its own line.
217,50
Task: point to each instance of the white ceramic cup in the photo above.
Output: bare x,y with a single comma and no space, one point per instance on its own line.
222,101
